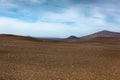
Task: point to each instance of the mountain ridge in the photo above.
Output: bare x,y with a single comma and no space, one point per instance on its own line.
102,34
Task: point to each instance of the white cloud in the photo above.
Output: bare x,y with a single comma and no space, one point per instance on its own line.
41,29
69,14
7,3
38,1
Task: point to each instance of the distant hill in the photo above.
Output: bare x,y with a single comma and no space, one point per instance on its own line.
16,37
10,37
102,34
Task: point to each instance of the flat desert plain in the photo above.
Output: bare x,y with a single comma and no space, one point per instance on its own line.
30,59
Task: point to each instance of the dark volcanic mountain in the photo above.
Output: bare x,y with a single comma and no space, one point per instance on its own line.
102,34
72,37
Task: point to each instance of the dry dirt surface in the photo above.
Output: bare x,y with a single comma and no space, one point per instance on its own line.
30,59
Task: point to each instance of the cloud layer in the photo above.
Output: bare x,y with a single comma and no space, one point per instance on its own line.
54,18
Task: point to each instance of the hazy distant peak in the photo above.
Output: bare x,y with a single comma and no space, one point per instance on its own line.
106,31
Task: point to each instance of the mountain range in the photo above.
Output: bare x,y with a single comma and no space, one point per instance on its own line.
98,35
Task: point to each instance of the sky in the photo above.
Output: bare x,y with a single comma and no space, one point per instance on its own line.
58,18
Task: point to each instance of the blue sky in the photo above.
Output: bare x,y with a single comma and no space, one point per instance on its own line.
58,18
